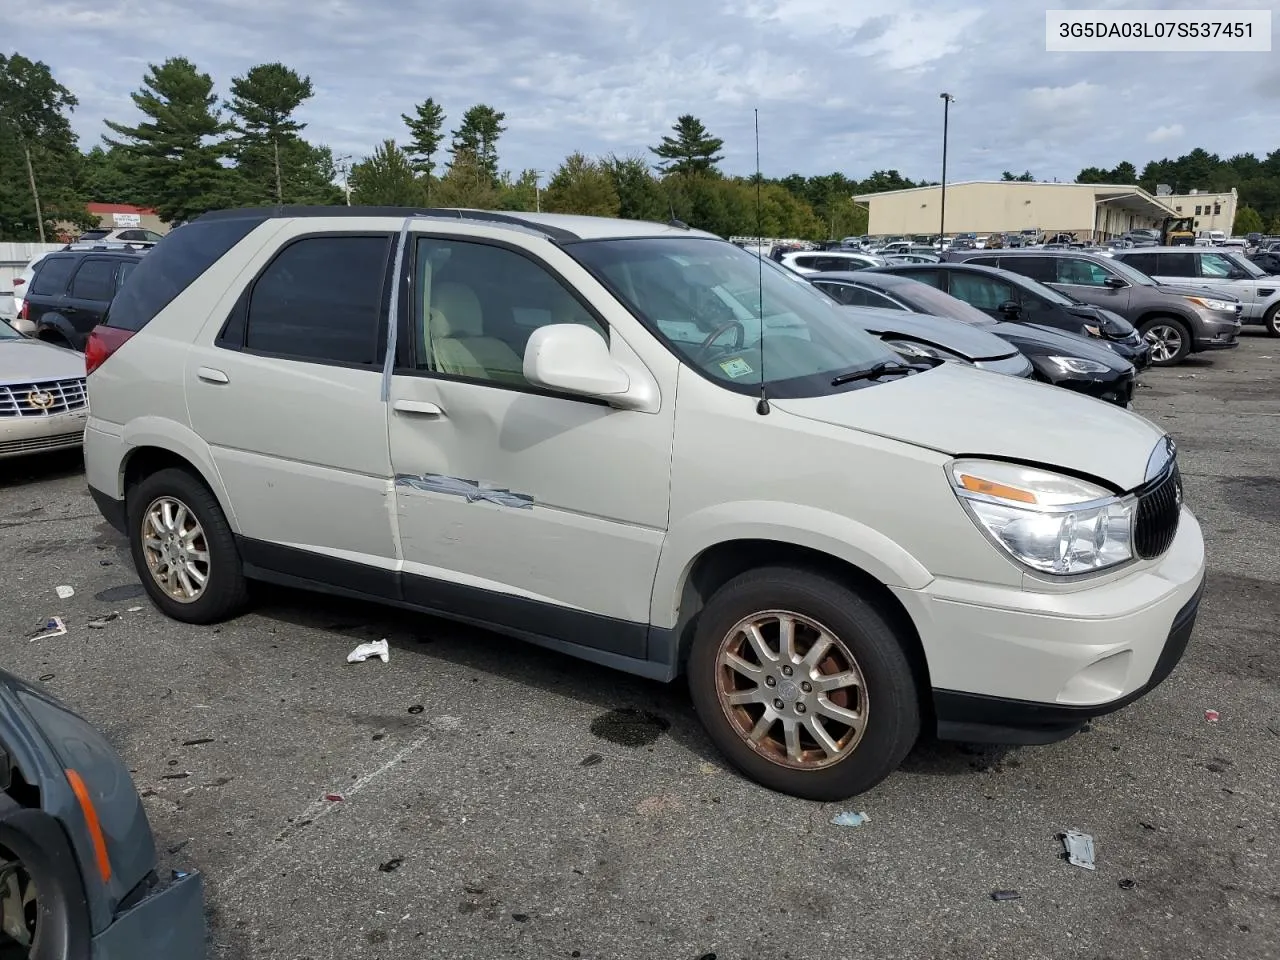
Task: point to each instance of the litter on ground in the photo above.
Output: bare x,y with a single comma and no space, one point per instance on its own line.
1212,716
847,819
53,627
1079,847
66,593
367,651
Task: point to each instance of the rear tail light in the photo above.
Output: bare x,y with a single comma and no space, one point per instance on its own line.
17,282
25,312
103,342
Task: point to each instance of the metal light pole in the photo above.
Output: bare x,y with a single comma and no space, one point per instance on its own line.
947,100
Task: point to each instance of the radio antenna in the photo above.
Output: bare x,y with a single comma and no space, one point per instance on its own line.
762,407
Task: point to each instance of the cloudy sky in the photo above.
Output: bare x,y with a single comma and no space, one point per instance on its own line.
849,85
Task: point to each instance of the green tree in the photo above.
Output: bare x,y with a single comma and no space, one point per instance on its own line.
424,139
262,105
33,110
477,138
583,186
106,176
1248,220
468,184
1275,227
174,150
691,150
520,193
1024,177
386,179
640,195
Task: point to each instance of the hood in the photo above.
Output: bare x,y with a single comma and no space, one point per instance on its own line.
1033,339
952,335
27,361
1211,292
1111,323
957,410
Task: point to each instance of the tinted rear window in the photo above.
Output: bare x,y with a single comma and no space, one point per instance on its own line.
51,276
1044,269
172,266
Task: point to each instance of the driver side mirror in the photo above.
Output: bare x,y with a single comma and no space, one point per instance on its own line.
1011,309
573,358
1115,283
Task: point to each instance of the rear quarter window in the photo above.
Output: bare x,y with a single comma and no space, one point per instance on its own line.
171,266
52,274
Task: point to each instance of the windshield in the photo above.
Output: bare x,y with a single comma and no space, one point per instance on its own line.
7,332
1132,274
703,296
933,301
1248,266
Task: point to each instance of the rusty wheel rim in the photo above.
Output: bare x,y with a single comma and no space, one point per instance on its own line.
791,689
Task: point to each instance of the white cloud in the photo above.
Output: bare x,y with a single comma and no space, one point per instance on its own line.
840,84
1163,134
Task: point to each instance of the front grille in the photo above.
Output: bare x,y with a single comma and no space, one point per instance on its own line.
42,399
36,444
1159,509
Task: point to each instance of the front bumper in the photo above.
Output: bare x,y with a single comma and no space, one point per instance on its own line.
169,922
23,435
1117,389
1032,665
1216,333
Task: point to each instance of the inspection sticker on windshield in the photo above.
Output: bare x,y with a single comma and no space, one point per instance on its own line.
737,367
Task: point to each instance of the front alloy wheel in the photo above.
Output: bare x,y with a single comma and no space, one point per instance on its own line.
791,689
803,682
1168,343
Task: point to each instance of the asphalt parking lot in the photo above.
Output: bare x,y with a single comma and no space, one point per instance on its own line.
502,801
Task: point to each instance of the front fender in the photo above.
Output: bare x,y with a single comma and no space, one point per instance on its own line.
803,526
176,438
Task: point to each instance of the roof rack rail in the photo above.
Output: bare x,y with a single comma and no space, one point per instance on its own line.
449,213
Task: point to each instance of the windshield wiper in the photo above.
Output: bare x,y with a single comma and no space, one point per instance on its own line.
871,372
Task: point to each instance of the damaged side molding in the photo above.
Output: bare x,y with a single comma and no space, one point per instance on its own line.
472,491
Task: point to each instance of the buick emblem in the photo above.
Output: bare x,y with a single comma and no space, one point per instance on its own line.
41,399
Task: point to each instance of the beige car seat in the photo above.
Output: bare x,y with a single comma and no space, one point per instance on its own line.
458,343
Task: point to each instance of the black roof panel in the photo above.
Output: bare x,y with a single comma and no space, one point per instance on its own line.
280,212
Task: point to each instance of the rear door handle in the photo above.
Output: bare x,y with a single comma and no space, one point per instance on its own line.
421,408
210,375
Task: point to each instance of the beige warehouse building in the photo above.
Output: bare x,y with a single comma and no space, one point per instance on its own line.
1087,210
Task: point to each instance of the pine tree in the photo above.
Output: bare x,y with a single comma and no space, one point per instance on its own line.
424,140
477,137
266,139
174,150
386,179
691,150
581,186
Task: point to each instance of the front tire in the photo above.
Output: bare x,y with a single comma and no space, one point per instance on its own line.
1170,341
183,548
802,684
1271,320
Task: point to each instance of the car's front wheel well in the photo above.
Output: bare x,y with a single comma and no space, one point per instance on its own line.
719,564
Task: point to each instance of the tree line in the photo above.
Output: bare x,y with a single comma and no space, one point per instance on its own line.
195,151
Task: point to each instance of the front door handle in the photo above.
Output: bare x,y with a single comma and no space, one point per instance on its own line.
210,375
421,408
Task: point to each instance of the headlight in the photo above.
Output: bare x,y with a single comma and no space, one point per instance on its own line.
1078,365
1052,523
911,348
1211,304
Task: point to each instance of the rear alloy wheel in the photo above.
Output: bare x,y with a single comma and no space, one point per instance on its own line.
1271,320
1170,341
183,548
803,684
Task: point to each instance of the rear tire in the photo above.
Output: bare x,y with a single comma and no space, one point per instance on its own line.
183,548
1271,320
1170,340
822,724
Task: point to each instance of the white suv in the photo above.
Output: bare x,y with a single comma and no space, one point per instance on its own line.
581,432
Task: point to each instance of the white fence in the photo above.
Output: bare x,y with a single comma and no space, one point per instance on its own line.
14,258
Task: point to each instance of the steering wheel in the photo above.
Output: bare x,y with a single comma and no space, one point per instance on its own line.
740,337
